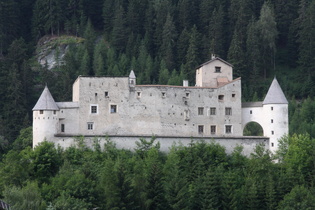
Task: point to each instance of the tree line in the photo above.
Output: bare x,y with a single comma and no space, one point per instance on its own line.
199,176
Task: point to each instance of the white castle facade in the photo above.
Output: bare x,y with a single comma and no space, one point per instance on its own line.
117,108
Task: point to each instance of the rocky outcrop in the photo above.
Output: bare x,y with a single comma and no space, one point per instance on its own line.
52,49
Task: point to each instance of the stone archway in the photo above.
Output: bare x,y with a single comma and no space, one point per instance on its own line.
253,129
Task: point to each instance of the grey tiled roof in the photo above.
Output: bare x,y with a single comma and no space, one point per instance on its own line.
275,94
132,75
216,58
46,101
252,104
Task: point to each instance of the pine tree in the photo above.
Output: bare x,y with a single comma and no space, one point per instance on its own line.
268,33
119,35
8,24
192,56
168,42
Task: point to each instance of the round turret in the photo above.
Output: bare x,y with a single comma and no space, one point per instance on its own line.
45,118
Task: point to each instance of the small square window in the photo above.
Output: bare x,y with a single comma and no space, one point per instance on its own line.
200,110
62,128
41,111
221,97
213,129
200,129
163,94
187,95
217,69
228,111
113,108
228,129
94,109
138,94
90,125
186,103
106,93
212,111
233,95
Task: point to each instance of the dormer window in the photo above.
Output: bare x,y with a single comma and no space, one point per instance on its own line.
218,69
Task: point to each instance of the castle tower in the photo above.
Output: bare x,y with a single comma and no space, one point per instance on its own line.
276,119
45,118
132,79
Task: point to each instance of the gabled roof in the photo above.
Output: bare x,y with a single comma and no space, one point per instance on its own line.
46,101
214,59
275,94
132,75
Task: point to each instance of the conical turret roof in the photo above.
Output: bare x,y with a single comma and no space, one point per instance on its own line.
46,101
132,75
275,94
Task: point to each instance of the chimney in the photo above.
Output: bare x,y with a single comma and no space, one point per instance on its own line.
212,56
185,83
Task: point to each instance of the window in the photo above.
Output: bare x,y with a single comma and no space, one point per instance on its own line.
138,94
271,120
93,109
95,94
228,111
163,94
250,112
272,144
217,69
187,95
62,128
106,94
55,111
213,129
186,103
272,132
212,111
228,129
200,110
200,129
186,115
41,111
272,108
90,125
233,95
221,97
113,108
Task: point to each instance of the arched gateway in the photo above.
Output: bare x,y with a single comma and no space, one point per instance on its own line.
271,114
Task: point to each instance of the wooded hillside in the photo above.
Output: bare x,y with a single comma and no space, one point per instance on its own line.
162,41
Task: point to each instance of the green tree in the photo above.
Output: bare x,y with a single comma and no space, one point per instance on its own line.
28,197
268,33
299,198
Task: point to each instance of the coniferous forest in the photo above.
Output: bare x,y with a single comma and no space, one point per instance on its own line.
163,41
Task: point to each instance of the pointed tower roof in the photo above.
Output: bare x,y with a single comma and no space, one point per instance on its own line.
275,94
46,101
132,75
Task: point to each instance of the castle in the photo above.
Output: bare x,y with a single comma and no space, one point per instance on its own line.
118,108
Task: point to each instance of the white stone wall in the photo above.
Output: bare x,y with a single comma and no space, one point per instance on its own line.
154,110
123,142
206,76
273,118
44,126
